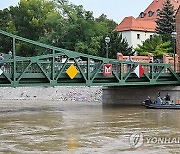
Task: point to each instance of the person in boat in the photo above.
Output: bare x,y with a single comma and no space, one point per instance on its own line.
168,99
159,99
148,101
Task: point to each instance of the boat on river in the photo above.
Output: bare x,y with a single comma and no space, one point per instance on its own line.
159,104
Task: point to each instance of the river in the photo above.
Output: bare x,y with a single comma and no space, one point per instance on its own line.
85,127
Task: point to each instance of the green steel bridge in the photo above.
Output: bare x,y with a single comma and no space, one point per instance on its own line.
86,70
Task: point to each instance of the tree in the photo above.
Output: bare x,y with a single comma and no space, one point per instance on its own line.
164,48
166,21
29,19
7,25
84,33
117,44
154,45
108,22
55,22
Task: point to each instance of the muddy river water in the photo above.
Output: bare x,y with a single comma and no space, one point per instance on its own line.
84,127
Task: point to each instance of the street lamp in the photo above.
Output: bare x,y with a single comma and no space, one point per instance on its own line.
107,40
173,34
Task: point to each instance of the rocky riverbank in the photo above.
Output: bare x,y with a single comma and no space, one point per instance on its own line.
90,94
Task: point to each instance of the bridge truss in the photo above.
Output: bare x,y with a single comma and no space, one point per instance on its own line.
51,69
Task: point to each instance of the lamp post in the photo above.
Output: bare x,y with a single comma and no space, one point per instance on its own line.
53,42
107,40
173,34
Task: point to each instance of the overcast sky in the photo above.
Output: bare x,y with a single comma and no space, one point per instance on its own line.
114,9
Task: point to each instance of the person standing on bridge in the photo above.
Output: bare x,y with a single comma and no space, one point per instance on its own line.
10,54
129,65
1,60
150,67
156,68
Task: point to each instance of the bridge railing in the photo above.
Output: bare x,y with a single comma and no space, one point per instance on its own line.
90,72
47,66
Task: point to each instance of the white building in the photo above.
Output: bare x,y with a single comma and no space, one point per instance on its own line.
135,31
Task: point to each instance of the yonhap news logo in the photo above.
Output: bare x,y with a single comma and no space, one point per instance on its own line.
137,139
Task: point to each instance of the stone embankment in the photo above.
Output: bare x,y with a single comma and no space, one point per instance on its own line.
87,94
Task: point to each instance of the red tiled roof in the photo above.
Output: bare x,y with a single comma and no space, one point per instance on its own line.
149,26
154,6
130,23
147,23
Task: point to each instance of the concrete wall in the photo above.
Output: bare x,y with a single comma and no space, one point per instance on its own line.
135,95
81,94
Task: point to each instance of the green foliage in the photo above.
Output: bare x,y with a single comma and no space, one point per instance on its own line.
156,46
117,44
166,21
149,45
29,17
89,47
62,24
164,48
7,25
106,22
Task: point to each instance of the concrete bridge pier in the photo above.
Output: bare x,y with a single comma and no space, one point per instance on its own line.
131,95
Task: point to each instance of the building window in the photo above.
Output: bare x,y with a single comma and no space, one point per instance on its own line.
142,14
158,12
150,36
150,13
138,36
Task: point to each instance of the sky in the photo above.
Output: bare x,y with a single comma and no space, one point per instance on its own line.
114,9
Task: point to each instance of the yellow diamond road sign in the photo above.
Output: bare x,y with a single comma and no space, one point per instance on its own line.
72,71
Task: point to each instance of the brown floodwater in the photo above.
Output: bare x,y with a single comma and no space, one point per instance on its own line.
83,128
